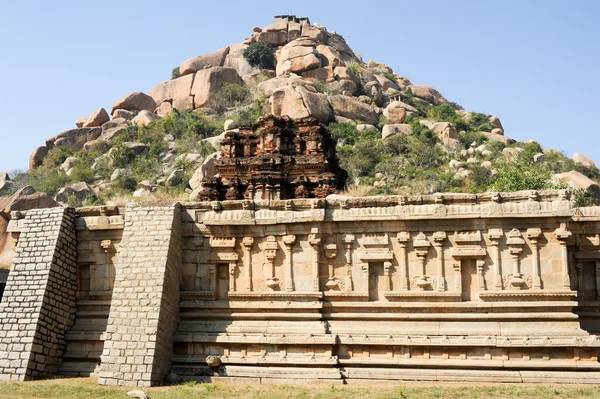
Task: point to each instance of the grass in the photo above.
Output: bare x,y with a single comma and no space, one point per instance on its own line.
87,388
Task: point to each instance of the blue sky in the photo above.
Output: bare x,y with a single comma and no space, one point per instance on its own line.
534,64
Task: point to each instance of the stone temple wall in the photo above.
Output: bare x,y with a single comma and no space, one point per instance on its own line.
490,287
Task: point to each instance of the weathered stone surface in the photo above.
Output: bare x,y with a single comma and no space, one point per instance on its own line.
299,102
125,114
205,172
297,56
196,64
209,81
445,131
97,118
577,180
175,177
74,138
495,121
329,56
511,154
135,101
583,160
68,163
395,112
137,148
498,137
81,192
324,74
429,94
80,121
269,86
173,89
37,157
353,109
401,129
275,34
235,59
145,118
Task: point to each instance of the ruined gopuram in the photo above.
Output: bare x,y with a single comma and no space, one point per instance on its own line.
497,287
276,158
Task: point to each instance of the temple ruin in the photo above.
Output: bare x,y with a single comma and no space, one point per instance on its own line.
501,287
276,158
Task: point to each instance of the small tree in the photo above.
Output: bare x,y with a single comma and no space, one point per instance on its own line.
260,54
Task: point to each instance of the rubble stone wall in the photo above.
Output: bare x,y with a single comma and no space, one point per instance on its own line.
38,306
145,299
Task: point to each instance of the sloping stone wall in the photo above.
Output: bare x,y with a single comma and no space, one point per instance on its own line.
145,299
39,301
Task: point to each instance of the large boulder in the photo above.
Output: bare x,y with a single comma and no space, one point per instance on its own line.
429,94
80,192
353,109
145,118
124,114
399,129
235,59
205,171
297,56
583,160
495,121
175,177
498,137
577,180
298,102
209,81
74,138
135,101
395,112
275,34
329,56
204,61
174,89
446,132
37,157
267,87
97,118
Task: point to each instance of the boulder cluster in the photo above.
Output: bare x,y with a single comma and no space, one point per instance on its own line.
316,74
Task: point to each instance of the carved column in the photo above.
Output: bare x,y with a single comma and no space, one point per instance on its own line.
330,254
403,237
480,276
270,249
563,235
515,246
422,245
289,241
438,241
212,269
314,240
348,240
495,236
248,242
458,270
387,271
534,235
232,269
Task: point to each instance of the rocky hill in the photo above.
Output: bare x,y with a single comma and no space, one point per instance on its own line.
392,136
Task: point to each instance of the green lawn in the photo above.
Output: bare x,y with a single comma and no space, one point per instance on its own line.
87,388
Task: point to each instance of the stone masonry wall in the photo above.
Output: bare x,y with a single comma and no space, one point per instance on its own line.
145,302
39,302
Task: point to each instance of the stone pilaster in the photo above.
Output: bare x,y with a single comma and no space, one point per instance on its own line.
145,302
38,307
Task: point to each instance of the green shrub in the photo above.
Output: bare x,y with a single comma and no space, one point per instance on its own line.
585,197
175,73
470,137
260,54
230,96
516,176
480,122
390,76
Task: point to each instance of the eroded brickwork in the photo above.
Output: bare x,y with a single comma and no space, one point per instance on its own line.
145,301
39,302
